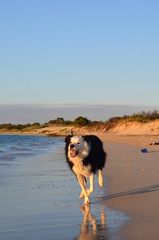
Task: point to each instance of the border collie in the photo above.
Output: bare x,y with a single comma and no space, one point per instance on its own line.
85,156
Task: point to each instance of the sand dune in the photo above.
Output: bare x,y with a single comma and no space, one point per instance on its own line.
136,128
122,128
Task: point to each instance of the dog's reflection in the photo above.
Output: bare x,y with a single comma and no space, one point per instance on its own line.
92,229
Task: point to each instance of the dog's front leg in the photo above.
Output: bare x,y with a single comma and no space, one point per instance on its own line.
81,180
82,194
90,190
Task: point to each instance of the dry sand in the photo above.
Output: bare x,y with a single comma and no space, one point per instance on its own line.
133,183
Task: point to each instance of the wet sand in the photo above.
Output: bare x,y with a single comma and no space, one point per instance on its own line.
133,184
39,199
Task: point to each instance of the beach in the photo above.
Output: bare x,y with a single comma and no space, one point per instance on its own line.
133,184
40,196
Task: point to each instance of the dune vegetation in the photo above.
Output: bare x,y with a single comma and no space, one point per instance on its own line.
141,117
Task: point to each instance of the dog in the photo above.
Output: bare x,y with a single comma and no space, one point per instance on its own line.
85,156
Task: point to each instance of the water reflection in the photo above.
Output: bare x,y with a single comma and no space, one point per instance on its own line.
93,227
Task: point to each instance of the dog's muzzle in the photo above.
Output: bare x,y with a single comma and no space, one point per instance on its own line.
73,152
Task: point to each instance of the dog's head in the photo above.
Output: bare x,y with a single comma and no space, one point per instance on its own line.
76,146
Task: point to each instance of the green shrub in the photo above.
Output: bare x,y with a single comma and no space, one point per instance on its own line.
81,121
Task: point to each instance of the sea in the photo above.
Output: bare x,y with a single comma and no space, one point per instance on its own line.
39,195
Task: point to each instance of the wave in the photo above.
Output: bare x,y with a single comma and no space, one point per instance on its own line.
7,158
22,146
20,149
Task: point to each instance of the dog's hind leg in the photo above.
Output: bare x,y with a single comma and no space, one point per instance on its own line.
100,178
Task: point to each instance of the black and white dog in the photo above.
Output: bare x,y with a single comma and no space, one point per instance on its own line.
85,156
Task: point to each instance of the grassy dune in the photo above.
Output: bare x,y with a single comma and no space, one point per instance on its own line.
144,123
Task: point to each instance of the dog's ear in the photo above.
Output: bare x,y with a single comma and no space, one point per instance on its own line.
67,139
85,138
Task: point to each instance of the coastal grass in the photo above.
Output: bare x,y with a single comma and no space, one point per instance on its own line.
141,117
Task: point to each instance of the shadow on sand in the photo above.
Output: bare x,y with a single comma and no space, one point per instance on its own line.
142,190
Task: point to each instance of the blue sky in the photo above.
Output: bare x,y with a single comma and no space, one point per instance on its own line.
84,52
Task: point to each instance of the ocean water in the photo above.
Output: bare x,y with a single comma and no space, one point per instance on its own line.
39,195
13,147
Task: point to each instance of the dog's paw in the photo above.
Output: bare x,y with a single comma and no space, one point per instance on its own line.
89,191
86,201
81,195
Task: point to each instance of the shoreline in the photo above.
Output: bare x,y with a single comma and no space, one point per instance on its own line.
104,135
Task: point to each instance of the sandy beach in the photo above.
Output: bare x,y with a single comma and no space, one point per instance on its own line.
133,184
40,196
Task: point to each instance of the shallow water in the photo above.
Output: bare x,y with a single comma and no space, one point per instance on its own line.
39,196
18,146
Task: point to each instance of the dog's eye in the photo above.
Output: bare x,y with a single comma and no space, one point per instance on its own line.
78,143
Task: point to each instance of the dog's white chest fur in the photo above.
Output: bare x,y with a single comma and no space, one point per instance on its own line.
79,168
83,151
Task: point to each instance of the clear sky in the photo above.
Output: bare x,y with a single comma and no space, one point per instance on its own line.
79,51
